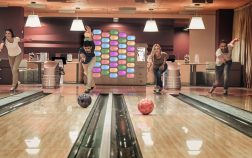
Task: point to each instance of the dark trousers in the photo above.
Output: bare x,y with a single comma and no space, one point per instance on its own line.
219,71
158,72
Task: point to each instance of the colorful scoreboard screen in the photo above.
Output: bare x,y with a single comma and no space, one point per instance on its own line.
115,54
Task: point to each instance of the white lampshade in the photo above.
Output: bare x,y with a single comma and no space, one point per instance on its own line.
150,26
77,25
197,23
32,21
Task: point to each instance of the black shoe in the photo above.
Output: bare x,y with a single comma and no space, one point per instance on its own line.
92,88
225,92
211,90
87,91
16,86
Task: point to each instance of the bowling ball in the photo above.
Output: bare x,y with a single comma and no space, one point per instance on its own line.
84,100
145,106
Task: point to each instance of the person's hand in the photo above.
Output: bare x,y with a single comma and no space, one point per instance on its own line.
88,29
237,39
161,67
88,32
83,59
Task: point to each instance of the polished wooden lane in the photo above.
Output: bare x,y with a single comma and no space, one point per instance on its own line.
45,128
177,130
6,93
237,97
238,100
48,127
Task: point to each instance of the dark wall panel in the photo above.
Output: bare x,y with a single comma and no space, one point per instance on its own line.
224,25
55,36
181,44
11,17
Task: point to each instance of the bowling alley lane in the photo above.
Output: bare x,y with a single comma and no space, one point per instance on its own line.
45,128
175,129
6,93
240,101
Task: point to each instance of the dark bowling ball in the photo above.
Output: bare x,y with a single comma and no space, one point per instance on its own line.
84,100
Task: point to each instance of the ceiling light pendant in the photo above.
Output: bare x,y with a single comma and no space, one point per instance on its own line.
32,21
77,24
150,26
197,23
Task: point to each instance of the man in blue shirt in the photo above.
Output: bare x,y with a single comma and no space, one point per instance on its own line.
87,58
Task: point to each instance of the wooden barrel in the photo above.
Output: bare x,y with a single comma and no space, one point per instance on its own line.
171,77
51,77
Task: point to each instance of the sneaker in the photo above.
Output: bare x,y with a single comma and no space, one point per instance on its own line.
157,91
211,90
225,92
87,90
16,86
12,90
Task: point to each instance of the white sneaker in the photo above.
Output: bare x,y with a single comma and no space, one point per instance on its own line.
12,89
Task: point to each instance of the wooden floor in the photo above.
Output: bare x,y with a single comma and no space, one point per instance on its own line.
48,127
242,101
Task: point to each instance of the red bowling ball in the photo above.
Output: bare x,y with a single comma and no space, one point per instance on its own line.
145,106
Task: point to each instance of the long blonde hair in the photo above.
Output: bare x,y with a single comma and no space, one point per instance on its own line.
153,50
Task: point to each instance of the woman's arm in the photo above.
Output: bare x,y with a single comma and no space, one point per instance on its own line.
88,33
149,62
234,41
25,40
1,46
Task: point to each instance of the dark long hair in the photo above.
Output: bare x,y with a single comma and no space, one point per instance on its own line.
12,34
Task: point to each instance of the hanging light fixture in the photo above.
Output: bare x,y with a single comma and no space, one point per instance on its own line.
32,20
77,24
197,23
151,25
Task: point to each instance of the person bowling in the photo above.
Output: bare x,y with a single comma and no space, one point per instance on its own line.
158,60
87,58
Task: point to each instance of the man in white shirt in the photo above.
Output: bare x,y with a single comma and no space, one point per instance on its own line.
223,64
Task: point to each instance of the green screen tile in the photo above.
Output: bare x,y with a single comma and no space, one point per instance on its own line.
122,40
122,67
105,51
98,58
131,60
105,72
113,32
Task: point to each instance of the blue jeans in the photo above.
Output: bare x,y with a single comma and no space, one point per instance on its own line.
219,71
158,72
